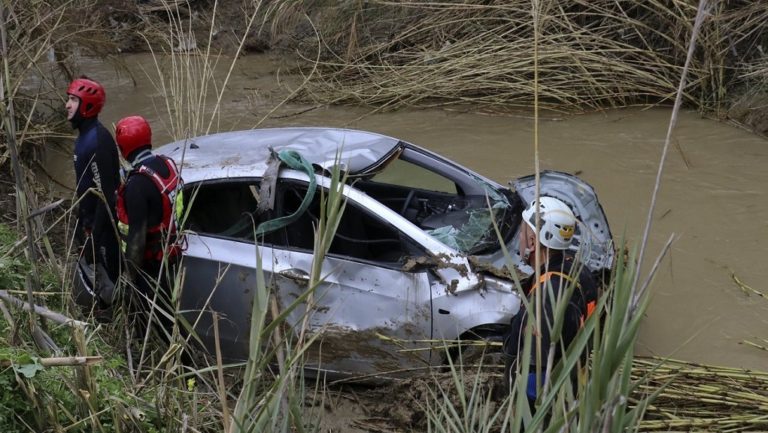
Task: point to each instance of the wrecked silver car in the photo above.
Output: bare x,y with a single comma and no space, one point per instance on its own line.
417,255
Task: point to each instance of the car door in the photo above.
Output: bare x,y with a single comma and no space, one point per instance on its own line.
367,308
219,266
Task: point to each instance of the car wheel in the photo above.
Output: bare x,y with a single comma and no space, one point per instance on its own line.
479,349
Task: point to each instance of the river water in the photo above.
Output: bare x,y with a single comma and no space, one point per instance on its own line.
713,196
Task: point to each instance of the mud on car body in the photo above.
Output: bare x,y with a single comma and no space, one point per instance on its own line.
417,255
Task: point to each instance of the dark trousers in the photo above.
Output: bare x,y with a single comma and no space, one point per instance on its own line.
150,298
101,246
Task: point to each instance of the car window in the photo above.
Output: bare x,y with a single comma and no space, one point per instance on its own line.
360,234
461,221
404,173
225,209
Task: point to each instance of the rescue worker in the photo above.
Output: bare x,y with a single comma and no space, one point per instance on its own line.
559,271
97,172
147,210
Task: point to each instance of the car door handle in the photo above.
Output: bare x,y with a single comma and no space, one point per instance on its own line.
298,275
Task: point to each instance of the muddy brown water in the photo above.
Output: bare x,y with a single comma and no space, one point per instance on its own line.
713,198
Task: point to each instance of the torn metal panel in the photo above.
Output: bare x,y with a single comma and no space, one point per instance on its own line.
593,237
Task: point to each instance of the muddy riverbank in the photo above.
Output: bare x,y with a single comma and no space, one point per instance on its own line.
426,54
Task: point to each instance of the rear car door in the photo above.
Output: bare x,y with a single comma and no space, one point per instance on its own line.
220,262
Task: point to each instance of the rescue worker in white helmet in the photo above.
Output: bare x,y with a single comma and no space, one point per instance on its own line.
147,210
559,271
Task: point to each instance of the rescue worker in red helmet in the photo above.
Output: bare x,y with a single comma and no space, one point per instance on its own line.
147,209
560,271
97,173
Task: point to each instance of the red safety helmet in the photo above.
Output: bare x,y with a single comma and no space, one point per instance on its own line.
91,94
131,133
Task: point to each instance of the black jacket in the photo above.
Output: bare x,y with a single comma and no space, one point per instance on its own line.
144,207
559,274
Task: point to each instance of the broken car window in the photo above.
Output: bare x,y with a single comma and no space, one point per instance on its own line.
433,202
360,234
225,209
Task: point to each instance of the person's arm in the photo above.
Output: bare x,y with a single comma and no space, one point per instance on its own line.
572,315
106,167
513,341
86,206
136,206
105,171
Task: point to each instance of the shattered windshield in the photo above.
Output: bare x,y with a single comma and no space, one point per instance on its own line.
477,233
459,212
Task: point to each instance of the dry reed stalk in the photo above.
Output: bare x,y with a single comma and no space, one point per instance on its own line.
591,54
701,396
65,361
745,288
220,374
22,192
185,73
8,317
701,14
42,311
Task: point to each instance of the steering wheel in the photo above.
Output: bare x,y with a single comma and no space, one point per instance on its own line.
408,200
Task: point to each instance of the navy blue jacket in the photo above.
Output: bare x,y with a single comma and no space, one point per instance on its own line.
96,166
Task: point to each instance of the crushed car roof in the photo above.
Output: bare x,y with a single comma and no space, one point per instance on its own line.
245,153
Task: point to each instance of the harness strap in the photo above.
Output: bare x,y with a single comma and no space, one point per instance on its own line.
591,305
547,275
172,203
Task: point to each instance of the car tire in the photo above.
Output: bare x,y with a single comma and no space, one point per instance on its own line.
471,352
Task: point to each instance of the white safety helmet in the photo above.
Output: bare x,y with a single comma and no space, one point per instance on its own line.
558,223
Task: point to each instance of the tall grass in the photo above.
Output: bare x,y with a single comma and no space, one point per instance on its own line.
590,54
275,403
28,34
39,62
599,401
145,386
187,71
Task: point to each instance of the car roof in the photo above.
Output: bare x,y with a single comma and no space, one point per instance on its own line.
245,153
